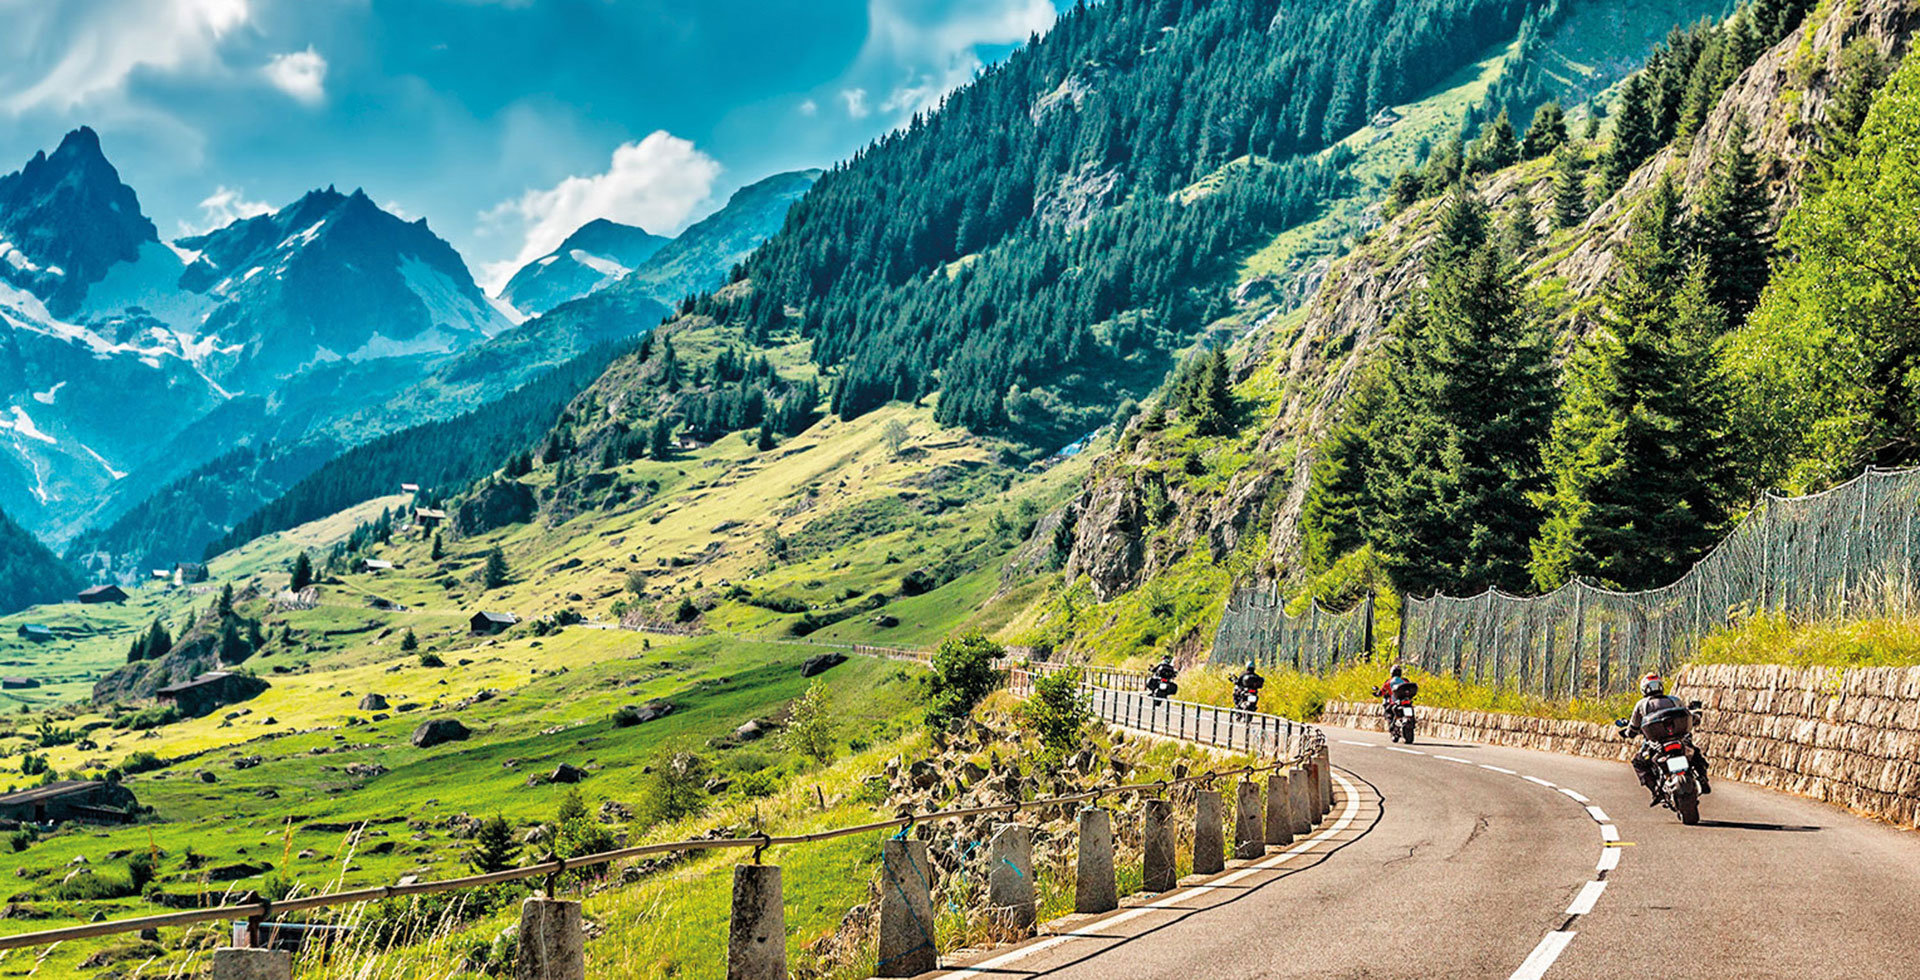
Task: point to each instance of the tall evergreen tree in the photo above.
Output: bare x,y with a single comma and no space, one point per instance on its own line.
1635,134
1210,400
1522,231
1569,189
1337,517
1639,458
494,848
1468,393
494,575
1547,133
1730,227
302,572
1496,148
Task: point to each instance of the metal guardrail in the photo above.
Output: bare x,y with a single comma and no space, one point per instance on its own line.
1120,698
1201,723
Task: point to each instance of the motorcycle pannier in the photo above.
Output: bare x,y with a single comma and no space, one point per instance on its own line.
1405,690
1667,724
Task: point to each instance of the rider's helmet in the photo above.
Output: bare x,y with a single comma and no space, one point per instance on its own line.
1396,671
1249,666
1652,686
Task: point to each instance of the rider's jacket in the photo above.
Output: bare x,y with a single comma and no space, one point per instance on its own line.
1163,671
1250,681
1652,704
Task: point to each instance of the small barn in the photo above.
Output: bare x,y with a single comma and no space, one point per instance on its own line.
409,488
189,573
491,623
428,518
161,575
17,683
103,593
74,799
375,565
211,690
35,633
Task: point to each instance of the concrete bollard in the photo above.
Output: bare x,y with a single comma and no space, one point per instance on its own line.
1312,765
1208,843
1094,888
1010,876
757,932
1248,840
906,910
552,944
1300,801
1279,817
1326,781
236,963
1156,850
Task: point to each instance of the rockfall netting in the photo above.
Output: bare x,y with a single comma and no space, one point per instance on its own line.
1255,626
1848,550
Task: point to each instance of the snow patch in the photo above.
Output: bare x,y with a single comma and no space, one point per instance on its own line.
23,424
448,308
152,283
16,258
605,266
102,460
47,397
303,238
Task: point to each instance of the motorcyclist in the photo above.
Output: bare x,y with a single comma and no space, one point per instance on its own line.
1164,672
1388,691
1249,680
1654,699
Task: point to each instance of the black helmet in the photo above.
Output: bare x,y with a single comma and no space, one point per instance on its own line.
1249,666
1396,671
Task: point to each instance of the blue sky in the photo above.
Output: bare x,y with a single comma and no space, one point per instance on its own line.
505,123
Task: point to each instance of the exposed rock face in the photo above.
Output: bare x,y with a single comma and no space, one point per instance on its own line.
438,731
495,505
821,664
1117,541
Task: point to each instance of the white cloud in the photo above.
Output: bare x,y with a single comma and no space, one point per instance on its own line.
300,74
809,107
917,50
856,100
61,55
655,183
223,207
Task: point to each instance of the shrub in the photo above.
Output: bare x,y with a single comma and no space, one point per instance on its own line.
811,726
963,673
20,840
431,660
141,761
755,785
140,870
1058,711
677,789
93,888
576,833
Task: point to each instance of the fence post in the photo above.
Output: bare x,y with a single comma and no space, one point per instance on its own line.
552,945
1010,876
240,963
1279,821
1299,801
1208,844
1326,780
1248,841
1312,765
906,910
1156,847
1094,888
757,932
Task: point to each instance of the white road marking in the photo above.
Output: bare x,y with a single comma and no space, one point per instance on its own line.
1577,798
1609,859
1396,748
1101,927
1364,745
1583,902
1537,781
1543,956
1498,769
1598,815
1609,833
1449,758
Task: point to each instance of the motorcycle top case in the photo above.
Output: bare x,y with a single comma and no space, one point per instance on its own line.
1405,690
1667,724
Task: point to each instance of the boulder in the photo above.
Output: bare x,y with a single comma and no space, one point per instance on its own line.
373,702
566,773
641,714
752,730
437,731
822,663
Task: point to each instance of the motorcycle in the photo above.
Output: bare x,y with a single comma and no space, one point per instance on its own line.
1246,699
1160,685
1667,740
1399,709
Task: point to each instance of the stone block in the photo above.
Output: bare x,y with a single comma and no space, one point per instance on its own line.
757,932
552,944
1010,876
1094,888
232,963
1209,843
906,910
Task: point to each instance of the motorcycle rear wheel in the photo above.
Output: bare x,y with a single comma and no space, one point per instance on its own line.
1407,734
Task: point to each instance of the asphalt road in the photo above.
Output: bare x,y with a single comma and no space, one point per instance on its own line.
1452,863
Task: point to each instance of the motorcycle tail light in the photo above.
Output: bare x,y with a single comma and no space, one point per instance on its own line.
1674,746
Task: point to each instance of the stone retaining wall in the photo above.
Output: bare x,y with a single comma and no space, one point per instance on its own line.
1846,737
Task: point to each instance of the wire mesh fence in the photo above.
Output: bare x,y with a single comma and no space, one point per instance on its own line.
1846,551
1255,626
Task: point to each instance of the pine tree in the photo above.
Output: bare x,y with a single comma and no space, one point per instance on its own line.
1547,133
1468,393
1337,516
1635,134
1729,229
1522,231
495,573
233,648
1210,402
438,551
765,440
494,848
1496,148
302,572
224,606
1862,72
1642,476
660,439
1569,189
408,642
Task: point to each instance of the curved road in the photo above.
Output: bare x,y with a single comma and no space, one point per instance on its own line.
1452,863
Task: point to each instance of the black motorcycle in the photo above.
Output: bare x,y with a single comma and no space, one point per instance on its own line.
1399,710
1246,699
1667,742
1160,685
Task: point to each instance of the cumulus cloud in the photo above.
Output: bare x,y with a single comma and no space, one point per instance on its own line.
856,100
61,55
300,74
221,208
655,183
